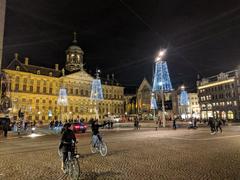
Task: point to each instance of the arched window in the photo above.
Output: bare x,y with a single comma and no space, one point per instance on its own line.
76,91
17,68
209,106
203,107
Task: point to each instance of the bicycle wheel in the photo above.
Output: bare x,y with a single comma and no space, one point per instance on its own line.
93,149
60,153
103,149
75,169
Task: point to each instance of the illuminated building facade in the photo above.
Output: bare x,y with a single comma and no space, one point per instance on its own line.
144,96
35,90
130,104
219,96
192,108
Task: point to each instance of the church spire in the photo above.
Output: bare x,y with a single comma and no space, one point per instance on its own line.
74,37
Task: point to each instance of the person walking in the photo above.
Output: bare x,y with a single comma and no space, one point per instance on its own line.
135,123
6,125
174,124
211,123
194,122
138,123
219,123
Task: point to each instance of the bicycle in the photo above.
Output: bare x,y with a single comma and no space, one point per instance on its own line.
98,146
72,166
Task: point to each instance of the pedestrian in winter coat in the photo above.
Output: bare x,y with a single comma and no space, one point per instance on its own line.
6,124
219,123
174,124
211,123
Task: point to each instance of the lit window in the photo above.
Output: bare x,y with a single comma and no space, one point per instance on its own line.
230,115
17,68
38,72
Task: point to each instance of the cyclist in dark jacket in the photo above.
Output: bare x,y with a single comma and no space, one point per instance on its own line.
95,128
67,141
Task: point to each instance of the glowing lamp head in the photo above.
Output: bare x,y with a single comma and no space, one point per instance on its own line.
162,53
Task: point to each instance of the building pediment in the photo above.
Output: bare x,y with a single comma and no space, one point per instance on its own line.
80,76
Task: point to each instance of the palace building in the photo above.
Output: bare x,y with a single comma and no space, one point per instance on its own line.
35,89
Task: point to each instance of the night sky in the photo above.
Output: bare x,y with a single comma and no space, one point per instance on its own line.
123,36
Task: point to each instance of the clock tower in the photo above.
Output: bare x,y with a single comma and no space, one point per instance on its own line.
74,56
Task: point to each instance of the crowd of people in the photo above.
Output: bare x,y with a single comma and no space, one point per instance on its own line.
59,124
215,125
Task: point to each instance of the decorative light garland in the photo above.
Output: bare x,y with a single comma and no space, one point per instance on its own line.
161,77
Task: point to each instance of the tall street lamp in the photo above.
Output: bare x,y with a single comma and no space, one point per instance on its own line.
161,82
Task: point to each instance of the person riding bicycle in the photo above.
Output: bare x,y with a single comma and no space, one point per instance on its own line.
95,130
67,140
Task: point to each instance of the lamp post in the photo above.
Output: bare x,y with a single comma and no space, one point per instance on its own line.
2,22
161,80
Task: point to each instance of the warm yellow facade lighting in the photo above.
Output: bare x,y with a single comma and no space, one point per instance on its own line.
216,83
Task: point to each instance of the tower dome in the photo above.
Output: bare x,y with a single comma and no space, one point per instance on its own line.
74,56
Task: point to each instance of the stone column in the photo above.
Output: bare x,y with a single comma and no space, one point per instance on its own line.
2,22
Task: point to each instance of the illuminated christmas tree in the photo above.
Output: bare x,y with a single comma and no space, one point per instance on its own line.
161,79
184,101
153,103
96,92
62,98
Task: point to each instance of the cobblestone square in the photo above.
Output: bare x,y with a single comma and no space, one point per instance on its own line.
144,154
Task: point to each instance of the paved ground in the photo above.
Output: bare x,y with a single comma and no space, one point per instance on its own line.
144,154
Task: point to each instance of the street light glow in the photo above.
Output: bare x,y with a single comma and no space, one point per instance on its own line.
160,55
